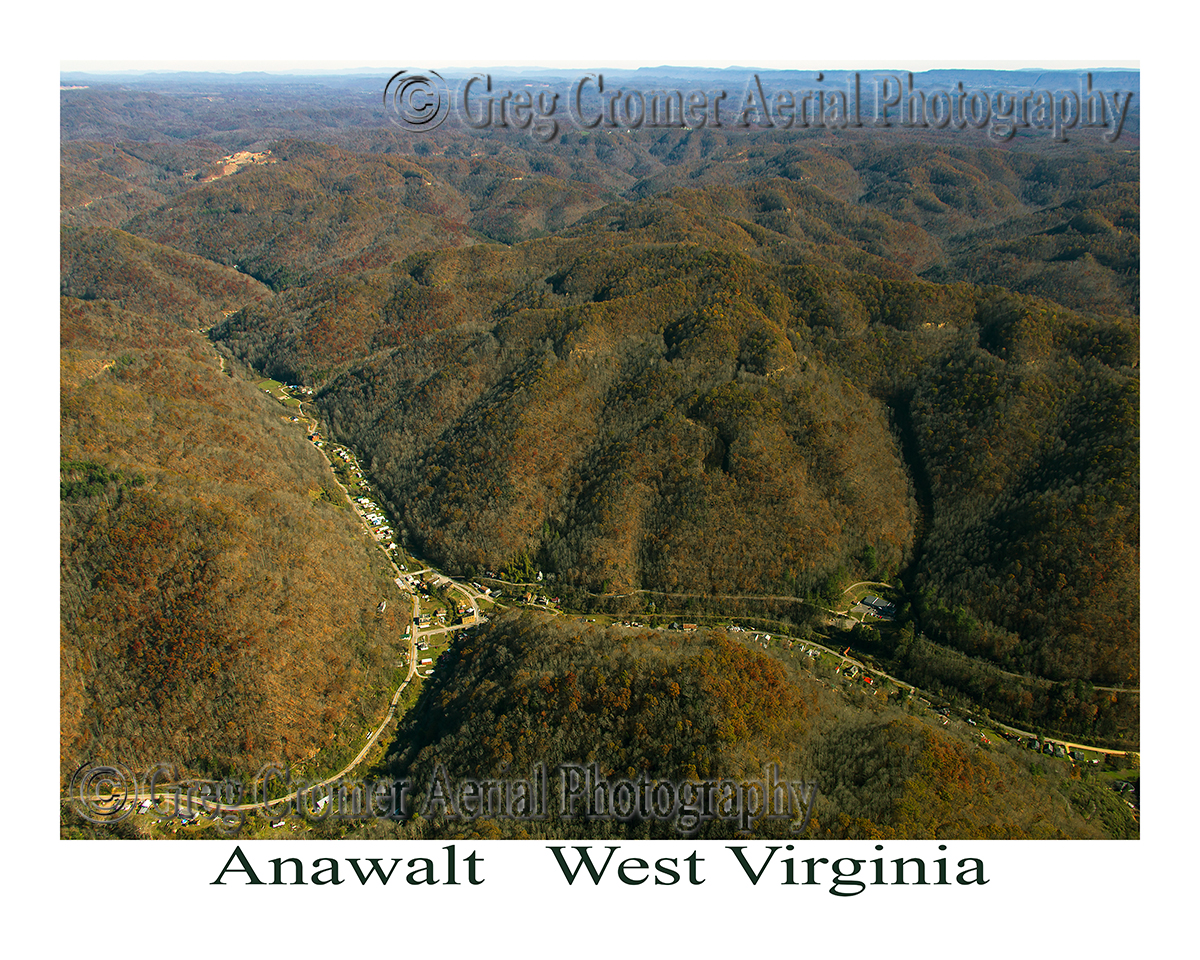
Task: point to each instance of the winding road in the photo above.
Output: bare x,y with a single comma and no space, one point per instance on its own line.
475,597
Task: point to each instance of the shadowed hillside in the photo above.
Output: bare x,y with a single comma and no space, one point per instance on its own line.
675,707
692,374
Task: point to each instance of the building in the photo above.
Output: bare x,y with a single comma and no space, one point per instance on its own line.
880,606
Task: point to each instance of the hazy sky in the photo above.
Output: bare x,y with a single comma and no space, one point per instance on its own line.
300,66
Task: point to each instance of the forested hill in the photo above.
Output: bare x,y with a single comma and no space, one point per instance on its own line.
751,389
679,368
674,707
218,600
151,279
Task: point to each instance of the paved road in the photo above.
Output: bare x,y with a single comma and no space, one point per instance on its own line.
474,597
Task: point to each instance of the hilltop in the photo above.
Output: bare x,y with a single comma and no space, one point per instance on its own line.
674,708
685,373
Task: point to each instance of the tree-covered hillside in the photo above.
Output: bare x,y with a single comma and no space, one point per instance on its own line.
218,603
692,374
676,708
672,398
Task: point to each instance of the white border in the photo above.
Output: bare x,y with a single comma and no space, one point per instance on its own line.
1043,897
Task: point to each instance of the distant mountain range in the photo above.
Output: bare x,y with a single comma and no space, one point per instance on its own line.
688,375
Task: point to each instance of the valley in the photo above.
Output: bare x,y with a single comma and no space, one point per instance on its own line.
681,451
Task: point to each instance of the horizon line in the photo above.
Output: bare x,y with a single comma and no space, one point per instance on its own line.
315,68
